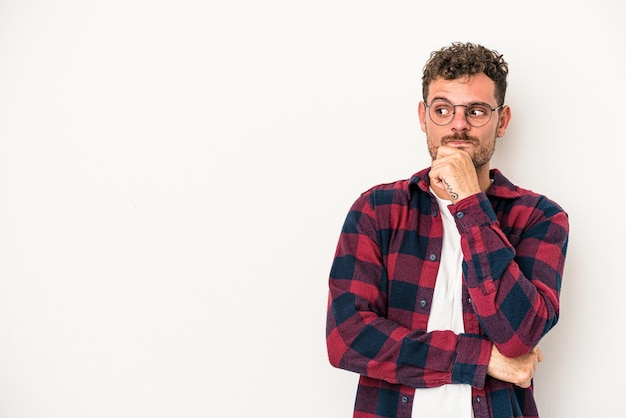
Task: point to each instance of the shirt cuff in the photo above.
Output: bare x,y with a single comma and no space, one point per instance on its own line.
474,210
470,365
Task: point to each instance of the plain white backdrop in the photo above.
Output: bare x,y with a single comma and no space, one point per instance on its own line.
174,176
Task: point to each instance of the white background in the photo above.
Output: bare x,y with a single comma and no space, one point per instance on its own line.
174,176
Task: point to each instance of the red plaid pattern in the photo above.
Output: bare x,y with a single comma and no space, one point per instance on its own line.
381,285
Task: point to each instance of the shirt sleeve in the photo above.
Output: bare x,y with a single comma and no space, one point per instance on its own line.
361,339
514,278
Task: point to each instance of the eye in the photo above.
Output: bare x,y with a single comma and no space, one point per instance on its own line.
478,110
442,110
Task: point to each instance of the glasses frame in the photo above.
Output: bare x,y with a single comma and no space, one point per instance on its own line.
454,106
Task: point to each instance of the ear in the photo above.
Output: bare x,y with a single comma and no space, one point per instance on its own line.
421,113
503,122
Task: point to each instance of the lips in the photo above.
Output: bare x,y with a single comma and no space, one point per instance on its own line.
458,140
458,143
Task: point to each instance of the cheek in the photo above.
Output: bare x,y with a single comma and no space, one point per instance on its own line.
501,127
433,131
499,132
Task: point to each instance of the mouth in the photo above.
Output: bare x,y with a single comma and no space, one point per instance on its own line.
458,144
456,141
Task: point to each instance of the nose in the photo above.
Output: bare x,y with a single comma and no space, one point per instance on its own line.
459,119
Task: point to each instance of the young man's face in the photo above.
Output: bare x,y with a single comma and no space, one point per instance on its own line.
458,132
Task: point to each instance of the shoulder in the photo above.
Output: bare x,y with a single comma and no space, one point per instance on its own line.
517,201
397,192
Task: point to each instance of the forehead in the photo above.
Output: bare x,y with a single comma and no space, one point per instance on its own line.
474,88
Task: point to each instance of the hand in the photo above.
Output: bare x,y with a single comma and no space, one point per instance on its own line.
519,370
453,172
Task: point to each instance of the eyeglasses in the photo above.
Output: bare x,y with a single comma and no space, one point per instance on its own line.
477,114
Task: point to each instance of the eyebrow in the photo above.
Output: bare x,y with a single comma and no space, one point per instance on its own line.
445,99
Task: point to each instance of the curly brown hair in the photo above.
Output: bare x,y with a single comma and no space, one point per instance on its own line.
461,59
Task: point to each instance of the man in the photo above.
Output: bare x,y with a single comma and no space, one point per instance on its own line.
443,284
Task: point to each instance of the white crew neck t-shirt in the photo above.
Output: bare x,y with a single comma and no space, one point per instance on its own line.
446,313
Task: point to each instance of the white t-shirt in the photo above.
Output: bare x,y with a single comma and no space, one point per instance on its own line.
446,313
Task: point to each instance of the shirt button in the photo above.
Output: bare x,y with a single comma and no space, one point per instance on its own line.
435,213
478,399
405,399
423,303
432,257
469,300
460,215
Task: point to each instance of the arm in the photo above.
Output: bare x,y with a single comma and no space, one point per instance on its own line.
361,339
514,286
519,370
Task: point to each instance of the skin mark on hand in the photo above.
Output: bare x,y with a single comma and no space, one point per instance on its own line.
453,195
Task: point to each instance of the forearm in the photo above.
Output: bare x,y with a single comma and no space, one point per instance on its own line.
514,286
519,370
376,347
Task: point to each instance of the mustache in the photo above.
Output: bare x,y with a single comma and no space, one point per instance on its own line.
459,137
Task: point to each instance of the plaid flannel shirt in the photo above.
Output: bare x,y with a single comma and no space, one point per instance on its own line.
381,284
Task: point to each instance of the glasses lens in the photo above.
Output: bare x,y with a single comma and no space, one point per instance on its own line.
478,114
441,113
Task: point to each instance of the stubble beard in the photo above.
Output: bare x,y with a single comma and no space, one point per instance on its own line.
480,156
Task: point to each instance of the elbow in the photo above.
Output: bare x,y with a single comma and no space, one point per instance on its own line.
513,351
335,349
334,359
514,348
334,356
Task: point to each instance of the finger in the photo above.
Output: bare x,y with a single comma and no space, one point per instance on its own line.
539,355
436,182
